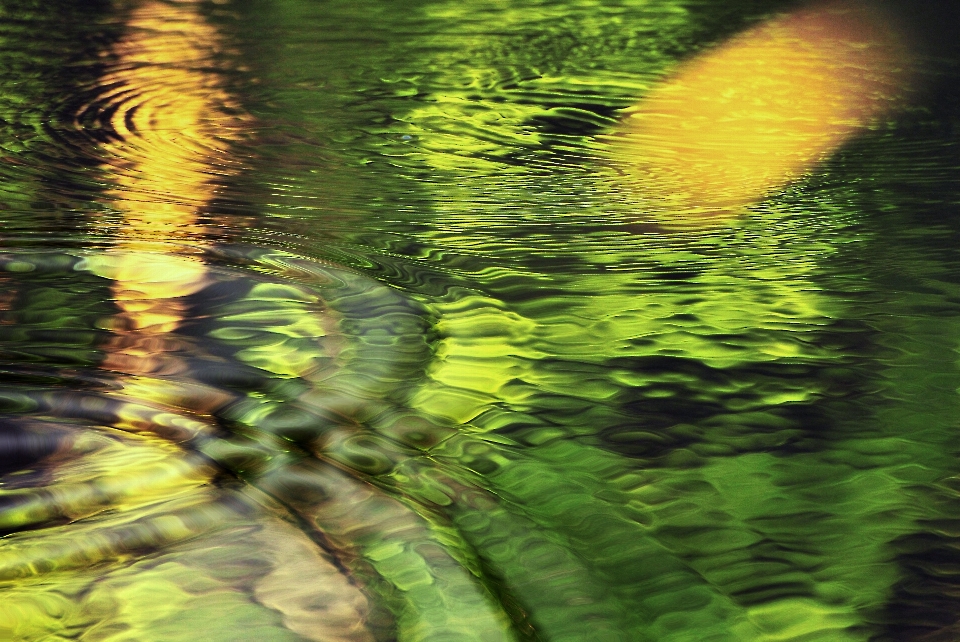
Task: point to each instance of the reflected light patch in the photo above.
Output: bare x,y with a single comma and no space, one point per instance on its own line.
761,110
176,123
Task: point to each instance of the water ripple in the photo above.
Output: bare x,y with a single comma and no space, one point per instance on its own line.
342,321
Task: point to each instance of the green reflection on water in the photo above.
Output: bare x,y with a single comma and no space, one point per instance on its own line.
732,433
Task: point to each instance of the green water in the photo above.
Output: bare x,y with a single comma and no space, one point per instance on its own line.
444,380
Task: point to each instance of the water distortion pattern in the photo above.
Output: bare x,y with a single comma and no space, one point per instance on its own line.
369,321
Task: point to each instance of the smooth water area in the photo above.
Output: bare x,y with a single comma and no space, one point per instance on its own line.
343,320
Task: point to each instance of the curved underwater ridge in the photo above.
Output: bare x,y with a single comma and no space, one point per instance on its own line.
287,388
273,417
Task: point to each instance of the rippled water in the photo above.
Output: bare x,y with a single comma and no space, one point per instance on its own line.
371,321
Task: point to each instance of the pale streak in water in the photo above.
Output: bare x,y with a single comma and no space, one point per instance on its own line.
743,120
175,124
175,145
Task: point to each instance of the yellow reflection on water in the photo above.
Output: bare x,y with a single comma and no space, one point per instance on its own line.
750,116
176,122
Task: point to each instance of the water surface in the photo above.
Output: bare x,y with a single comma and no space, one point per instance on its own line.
342,321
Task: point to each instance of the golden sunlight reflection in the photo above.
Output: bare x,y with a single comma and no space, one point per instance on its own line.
761,110
175,122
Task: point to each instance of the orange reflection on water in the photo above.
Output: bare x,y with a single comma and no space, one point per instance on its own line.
761,110
176,122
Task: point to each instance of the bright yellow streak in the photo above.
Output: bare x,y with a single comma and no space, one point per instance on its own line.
176,121
762,109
